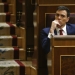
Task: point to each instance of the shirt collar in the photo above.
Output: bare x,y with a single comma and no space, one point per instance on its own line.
64,29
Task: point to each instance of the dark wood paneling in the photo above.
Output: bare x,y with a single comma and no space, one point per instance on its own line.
68,53
41,10
30,36
23,17
29,9
56,1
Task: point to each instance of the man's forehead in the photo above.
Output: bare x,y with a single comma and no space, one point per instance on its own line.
63,12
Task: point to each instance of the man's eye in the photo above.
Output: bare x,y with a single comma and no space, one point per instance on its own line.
62,15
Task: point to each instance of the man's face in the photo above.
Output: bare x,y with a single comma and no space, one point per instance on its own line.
61,16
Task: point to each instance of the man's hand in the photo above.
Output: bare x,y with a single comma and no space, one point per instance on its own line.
54,24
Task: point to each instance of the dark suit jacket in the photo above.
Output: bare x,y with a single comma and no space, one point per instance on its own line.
45,41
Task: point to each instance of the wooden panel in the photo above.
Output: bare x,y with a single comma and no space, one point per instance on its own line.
39,24
30,35
67,64
23,17
29,8
66,54
63,40
56,2
30,42
62,52
33,2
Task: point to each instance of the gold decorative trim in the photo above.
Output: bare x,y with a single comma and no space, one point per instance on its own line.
56,4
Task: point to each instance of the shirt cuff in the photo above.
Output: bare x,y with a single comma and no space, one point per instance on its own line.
50,34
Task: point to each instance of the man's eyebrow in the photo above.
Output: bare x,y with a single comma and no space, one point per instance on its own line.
60,14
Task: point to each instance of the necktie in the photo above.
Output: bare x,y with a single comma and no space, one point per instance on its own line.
61,32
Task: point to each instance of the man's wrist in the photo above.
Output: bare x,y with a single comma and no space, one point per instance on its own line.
50,34
51,31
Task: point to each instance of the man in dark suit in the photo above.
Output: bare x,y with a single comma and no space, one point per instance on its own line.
59,24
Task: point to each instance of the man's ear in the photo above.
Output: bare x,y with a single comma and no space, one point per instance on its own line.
68,19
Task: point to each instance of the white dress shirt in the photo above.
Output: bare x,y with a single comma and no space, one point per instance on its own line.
58,33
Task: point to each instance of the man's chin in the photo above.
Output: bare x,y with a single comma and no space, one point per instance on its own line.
58,26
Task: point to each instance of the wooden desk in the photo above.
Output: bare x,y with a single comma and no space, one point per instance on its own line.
63,55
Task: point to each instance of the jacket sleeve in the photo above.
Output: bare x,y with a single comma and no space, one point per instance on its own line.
45,41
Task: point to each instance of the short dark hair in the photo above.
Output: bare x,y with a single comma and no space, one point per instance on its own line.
64,8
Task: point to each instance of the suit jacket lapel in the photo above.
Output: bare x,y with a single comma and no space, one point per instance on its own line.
68,30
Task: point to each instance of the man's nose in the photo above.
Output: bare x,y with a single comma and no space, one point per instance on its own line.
59,16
